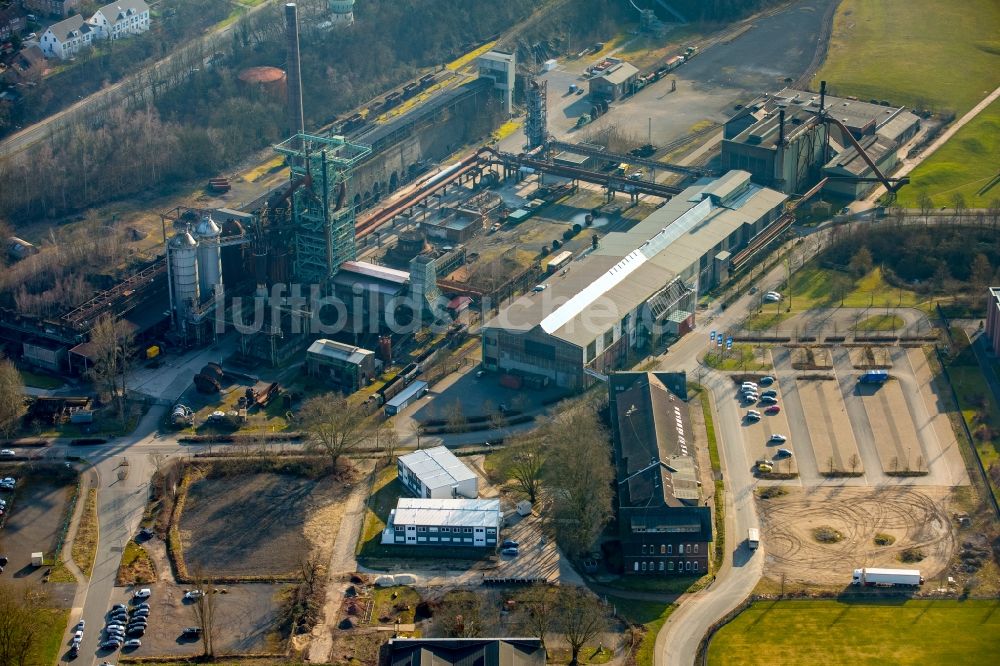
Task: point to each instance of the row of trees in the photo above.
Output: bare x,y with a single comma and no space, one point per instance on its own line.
567,464
19,625
11,399
568,612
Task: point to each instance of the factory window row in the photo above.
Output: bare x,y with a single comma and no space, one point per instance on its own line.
667,566
668,549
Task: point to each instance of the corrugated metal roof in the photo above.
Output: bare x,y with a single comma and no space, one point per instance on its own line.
339,351
376,271
437,467
447,512
407,393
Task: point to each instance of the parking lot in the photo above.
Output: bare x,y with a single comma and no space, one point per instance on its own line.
757,435
892,427
829,427
537,559
245,615
34,516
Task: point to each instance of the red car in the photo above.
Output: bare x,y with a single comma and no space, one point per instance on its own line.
773,409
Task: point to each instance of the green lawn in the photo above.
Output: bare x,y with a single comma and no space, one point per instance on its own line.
973,392
649,614
817,287
919,53
743,356
833,632
39,380
47,649
881,322
385,493
967,164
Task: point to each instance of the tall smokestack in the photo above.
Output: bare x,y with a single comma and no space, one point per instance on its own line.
781,127
822,96
296,119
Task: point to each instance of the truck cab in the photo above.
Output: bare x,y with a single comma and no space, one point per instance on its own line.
753,538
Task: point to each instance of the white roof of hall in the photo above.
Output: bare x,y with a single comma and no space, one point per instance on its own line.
447,512
629,267
437,467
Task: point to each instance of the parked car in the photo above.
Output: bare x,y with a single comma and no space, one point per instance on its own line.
194,594
772,297
775,437
767,381
191,631
750,397
133,643
78,635
509,551
136,631
769,400
111,644
773,409
142,612
771,393
119,607
753,417
141,606
144,593
74,651
783,453
7,453
81,625
510,543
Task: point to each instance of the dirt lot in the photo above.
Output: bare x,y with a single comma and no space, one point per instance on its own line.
829,426
892,426
34,521
915,518
246,615
256,524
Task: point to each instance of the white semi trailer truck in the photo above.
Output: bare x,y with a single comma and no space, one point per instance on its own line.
887,577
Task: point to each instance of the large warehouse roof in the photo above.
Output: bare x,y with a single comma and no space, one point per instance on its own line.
437,467
447,512
629,267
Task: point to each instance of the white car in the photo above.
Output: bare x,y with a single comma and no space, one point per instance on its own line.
775,437
772,297
144,593
194,594
7,453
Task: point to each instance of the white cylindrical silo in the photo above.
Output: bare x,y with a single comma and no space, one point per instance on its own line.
209,256
183,250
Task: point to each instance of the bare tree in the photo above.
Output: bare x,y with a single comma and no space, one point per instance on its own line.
386,440
335,427
581,617
540,604
580,485
926,205
854,461
203,608
958,203
113,343
456,417
11,398
525,460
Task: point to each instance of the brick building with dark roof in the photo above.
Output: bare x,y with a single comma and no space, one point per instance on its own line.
462,652
664,525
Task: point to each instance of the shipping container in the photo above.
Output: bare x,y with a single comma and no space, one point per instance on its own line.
559,261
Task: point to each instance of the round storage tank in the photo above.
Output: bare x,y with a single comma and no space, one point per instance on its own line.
183,251
268,80
209,255
342,12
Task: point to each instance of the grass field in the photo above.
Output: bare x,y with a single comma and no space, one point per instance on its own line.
973,393
649,614
50,624
881,322
966,164
85,541
743,356
833,632
136,566
816,287
918,53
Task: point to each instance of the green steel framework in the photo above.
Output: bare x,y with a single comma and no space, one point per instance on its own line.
323,218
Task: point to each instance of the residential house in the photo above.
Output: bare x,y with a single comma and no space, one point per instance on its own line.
120,19
12,22
61,8
27,65
664,524
65,38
